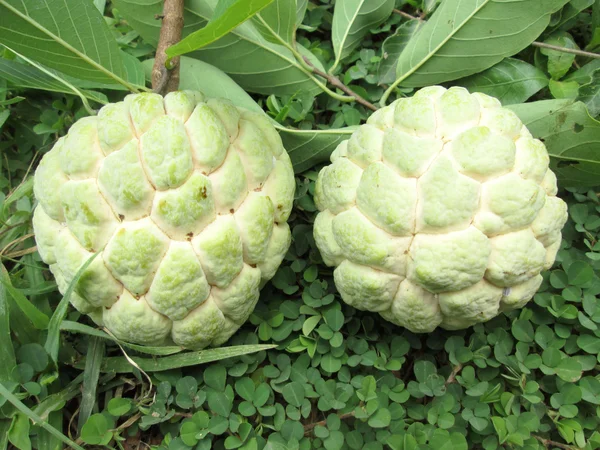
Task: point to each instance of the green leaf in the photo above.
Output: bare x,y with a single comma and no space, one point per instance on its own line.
256,64
232,17
523,330
392,48
215,376
70,36
352,20
18,434
446,420
511,81
569,370
571,136
423,370
245,388
559,63
564,89
380,419
188,433
96,431
580,273
589,344
551,357
467,37
91,374
293,393
29,77
119,406
219,403
309,324
334,318
121,364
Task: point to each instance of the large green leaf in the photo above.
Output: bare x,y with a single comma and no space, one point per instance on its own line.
512,81
571,136
464,37
252,61
352,20
69,35
29,77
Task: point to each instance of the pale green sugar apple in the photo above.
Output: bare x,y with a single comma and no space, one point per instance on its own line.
187,200
439,211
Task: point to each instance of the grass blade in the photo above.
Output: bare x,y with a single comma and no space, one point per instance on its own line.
76,327
7,351
37,318
53,339
120,364
20,325
91,374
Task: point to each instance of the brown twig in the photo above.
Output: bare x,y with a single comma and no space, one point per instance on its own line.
167,80
335,82
311,426
548,443
452,377
566,50
406,15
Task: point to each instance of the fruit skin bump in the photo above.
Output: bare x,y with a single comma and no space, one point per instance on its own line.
440,211
186,198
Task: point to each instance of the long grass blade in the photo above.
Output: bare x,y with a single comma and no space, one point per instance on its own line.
53,339
120,364
91,374
75,327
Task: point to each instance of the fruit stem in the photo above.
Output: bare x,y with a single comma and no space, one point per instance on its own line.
165,72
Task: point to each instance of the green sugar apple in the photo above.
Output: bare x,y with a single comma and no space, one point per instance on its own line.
440,211
187,200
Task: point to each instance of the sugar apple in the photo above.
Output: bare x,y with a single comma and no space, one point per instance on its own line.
439,211
187,200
